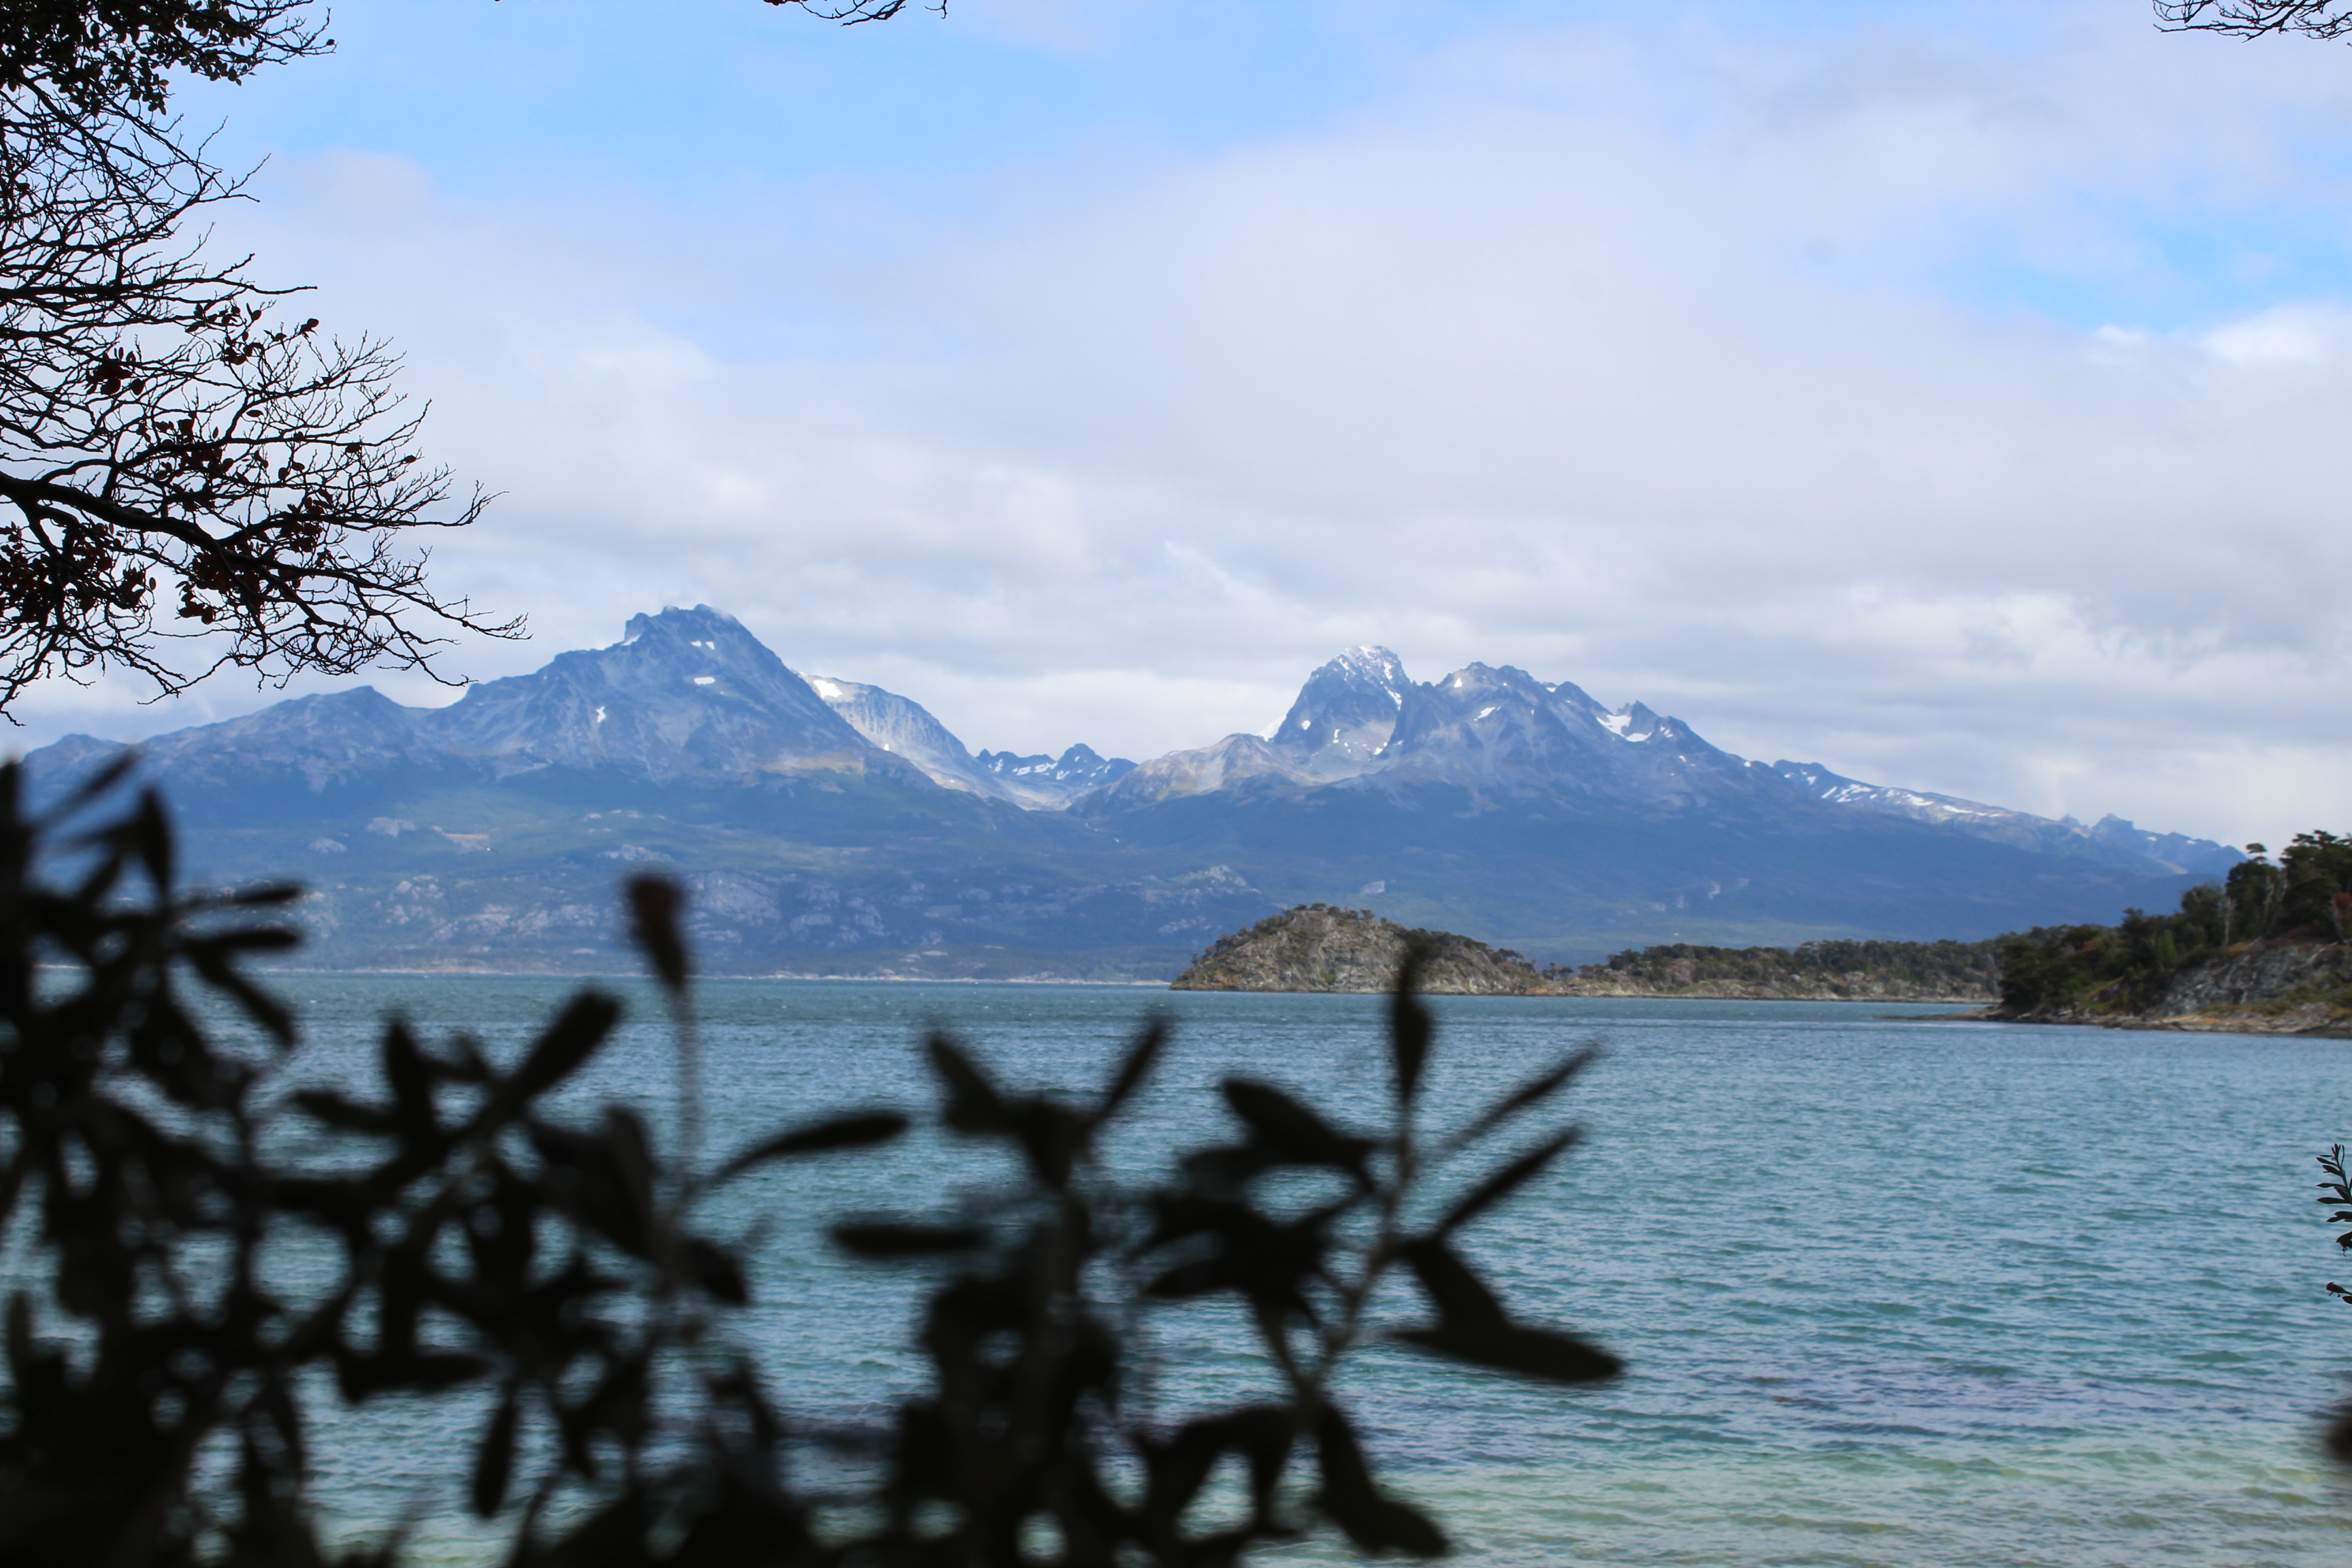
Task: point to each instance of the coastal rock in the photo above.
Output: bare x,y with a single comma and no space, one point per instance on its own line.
1317,947
2257,972
2272,987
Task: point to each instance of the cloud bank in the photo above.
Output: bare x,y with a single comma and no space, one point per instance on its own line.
1960,409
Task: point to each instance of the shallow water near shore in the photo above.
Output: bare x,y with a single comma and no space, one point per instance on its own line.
1890,1292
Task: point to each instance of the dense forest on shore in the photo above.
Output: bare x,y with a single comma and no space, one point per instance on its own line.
2269,937
1955,969
2140,964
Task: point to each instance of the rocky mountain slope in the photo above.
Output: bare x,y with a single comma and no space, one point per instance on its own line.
904,728
834,826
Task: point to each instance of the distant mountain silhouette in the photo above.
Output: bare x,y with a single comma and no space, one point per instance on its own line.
828,826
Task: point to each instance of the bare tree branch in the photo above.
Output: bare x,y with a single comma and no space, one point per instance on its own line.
190,479
2257,18
847,11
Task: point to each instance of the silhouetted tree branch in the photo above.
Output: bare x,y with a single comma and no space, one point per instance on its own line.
102,54
849,11
190,479
2257,18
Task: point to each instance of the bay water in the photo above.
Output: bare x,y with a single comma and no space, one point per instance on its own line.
1890,1292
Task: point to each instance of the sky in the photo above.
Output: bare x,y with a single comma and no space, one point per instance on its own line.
1955,395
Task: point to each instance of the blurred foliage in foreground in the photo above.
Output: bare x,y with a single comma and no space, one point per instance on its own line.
161,1377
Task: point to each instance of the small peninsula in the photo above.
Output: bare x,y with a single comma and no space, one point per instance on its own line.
1322,947
2262,952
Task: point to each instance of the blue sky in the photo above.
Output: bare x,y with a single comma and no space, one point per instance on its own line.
1952,394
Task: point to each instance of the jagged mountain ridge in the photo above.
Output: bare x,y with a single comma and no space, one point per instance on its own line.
825,821
1499,734
1051,783
906,728
2112,842
1345,715
686,695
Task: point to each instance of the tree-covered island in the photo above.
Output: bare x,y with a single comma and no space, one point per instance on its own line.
2263,951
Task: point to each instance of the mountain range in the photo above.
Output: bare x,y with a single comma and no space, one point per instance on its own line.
826,825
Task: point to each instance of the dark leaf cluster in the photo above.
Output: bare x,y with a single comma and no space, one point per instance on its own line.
184,458
2336,1192
99,55
485,1241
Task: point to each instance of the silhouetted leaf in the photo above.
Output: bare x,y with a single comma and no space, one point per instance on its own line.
269,895
107,774
335,1109
2337,1439
861,1130
715,1270
411,1077
1411,1028
151,831
1535,1091
605,1178
1506,1180
1459,1295
494,1458
974,1106
210,960
1542,1353
1051,1135
1374,1523
430,1372
556,1055
1177,1468
1134,1068
1294,1133
654,905
886,1241
1225,1166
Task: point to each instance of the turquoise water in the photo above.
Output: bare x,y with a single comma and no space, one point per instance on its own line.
1891,1292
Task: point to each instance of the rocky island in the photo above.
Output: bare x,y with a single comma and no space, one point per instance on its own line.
1320,947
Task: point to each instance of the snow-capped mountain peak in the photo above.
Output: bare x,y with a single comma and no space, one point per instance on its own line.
1344,715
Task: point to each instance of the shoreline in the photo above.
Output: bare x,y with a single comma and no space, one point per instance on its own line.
618,977
609,975
2302,1022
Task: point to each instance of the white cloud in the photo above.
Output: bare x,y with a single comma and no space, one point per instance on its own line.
1664,367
